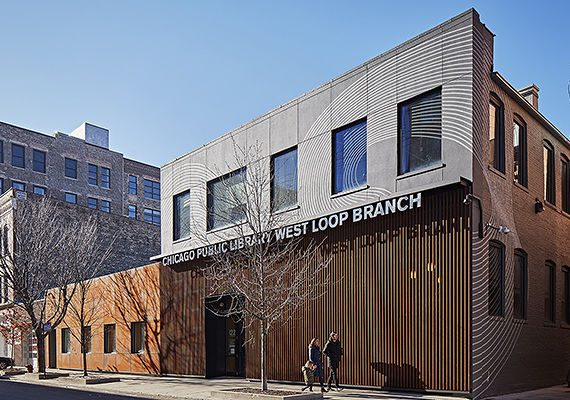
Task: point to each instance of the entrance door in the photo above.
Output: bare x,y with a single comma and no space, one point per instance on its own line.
52,343
224,340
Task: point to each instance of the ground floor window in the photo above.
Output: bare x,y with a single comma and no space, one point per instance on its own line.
550,292
496,278
65,340
109,333
567,295
520,285
137,337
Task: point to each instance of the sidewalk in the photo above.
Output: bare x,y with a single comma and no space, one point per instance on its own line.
197,388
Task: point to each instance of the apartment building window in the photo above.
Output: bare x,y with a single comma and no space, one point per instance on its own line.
151,216
65,340
71,198
92,174
151,189
39,161
550,292
284,179
92,202
182,215
137,337
132,211
520,285
566,295
226,199
2,151
71,168
565,176
105,178
349,157
496,278
19,186
132,184
1,185
520,152
109,338
549,183
105,206
18,156
39,190
496,133
86,340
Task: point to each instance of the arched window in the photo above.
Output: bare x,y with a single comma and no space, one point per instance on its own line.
520,151
565,176
496,133
496,278
520,285
549,182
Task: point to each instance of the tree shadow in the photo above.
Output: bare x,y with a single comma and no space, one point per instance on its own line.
400,377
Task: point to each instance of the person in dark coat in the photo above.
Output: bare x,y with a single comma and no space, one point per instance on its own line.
315,358
333,351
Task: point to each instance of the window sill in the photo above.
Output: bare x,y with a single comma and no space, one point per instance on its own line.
421,171
550,205
223,228
549,324
110,354
285,210
521,187
182,240
497,172
39,172
70,177
350,191
564,325
564,213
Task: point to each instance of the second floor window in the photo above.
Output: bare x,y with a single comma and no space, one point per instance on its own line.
520,154
105,206
132,211
565,176
18,156
349,157
105,178
226,199
496,279
182,215
496,134
93,174
549,182
284,180
151,216
151,189
92,202
71,198
71,168
132,184
550,292
39,161
65,340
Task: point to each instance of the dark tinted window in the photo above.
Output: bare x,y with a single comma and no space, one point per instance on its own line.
137,337
496,134
18,156
520,286
65,340
550,292
226,199
284,180
19,186
182,215
110,338
92,174
496,278
151,189
349,157
549,182
39,161
567,295
105,178
565,176
71,168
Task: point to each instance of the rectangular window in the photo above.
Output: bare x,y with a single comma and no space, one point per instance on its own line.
520,154
419,122
40,190
65,340
496,135
565,176
132,211
71,168
39,161
92,174
284,179
349,157
567,295
496,279
1,185
137,337
226,199
92,202
132,184
71,198
549,190
151,189
110,338
1,151
19,186
151,216
87,339
550,293
105,178
520,286
182,215
18,156
105,206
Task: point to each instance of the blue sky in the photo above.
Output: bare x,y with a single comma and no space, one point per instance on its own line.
168,76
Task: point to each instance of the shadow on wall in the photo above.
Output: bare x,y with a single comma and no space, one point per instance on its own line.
404,376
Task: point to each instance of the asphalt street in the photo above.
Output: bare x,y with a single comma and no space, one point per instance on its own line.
24,391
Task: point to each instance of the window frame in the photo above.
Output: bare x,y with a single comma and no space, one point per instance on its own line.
15,182
274,207
154,188
565,182
68,168
106,348
549,173
105,177
90,203
129,207
176,228
134,331
133,184
39,187
23,157
93,169
153,214
334,161
39,162
498,151
524,284
566,275
209,200
523,151
105,205
550,293
501,275
70,194
86,335
65,340
1,152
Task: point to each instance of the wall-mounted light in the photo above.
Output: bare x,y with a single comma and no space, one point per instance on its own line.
501,228
538,206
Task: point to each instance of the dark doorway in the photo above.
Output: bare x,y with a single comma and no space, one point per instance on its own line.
52,343
225,351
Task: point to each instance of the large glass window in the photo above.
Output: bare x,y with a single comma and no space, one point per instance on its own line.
105,206
284,179
565,176
39,161
496,134
92,174
420,132
549,183
550,292
71,168
520,154
520,285
105,178
151,189
182,215
226,199
132,211
151,216
109,338
137,337
132,184
567,295
349,157
18,156
65,340
71,198
496,278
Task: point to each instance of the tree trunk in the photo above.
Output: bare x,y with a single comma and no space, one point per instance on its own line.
263,356
41,350
84,356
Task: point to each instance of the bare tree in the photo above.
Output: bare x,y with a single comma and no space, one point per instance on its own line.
265,275
14,326
49,247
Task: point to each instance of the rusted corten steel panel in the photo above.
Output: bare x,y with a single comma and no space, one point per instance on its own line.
399,297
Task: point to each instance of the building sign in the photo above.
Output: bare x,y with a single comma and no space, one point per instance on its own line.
321,224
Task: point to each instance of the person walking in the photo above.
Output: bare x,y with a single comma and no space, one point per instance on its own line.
315,358
333,351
